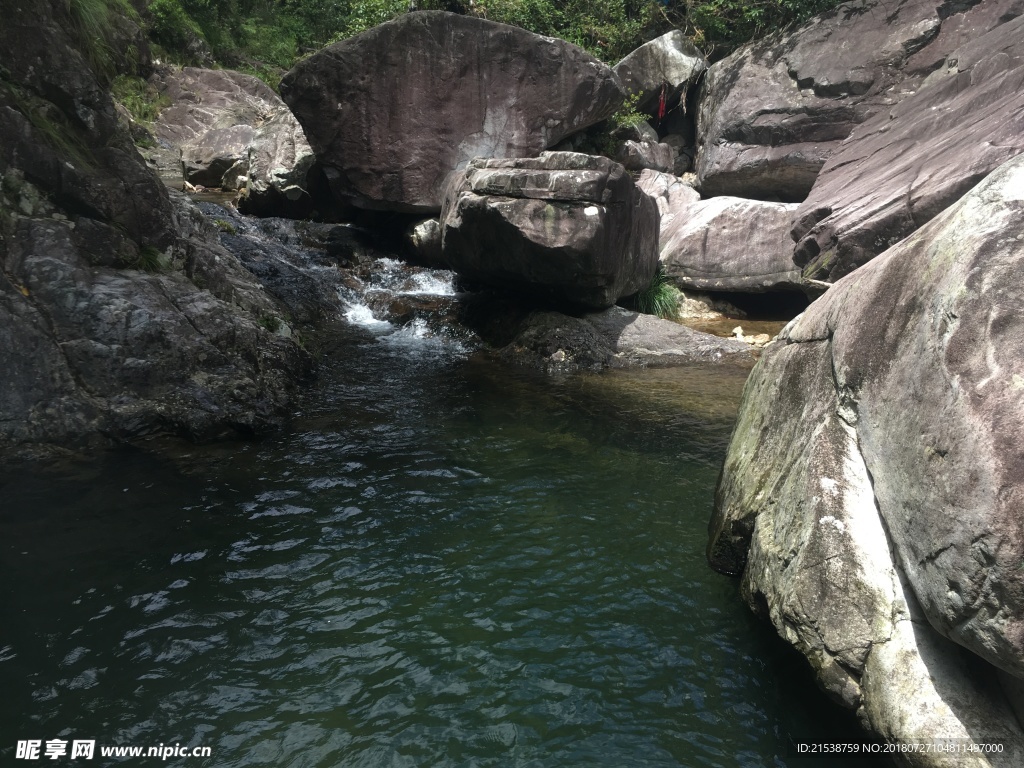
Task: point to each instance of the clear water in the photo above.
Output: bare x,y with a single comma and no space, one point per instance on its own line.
446,562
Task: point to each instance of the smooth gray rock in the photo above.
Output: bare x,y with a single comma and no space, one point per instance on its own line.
565,226
907,164
876,465
281,170
772,112
721,244
392,111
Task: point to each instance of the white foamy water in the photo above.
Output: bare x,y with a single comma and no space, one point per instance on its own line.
360,314
431,284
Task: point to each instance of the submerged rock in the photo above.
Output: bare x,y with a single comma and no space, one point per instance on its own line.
614,338
872,490
392,111
565,226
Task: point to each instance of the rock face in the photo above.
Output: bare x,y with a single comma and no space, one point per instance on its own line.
565,226
58,127
106,334
282,177
663,69
907,164
641,155
774,111
722,244
872,491
234,132
391,112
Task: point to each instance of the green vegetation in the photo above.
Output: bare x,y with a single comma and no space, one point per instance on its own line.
660,298
269,35
224,226
96,27
628,116
141,99
150,259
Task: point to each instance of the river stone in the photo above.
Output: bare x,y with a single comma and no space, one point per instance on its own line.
730,244
721,244
612,338
234,132
281,169
876,464
670,62
772,112
392,111
640,155
901,168
565,226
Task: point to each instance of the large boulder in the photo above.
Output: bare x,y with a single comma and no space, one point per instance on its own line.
722,244
565,226
773,112
662,71
282,174
907,164
233,132
392,111
872,490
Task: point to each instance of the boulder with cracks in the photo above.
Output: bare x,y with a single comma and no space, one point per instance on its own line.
871,493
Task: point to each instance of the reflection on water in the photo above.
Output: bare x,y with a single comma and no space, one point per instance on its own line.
445,563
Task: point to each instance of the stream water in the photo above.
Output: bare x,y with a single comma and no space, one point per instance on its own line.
444,562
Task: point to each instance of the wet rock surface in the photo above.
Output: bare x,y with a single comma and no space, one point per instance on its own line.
870,495
391,112
613,338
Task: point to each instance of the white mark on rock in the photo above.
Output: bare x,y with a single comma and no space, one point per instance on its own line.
591,210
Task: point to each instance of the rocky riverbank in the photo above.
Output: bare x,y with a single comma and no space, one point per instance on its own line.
870,499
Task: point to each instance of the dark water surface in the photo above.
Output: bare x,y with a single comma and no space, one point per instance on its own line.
446,562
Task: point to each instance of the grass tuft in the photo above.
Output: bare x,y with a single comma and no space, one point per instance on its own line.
660,298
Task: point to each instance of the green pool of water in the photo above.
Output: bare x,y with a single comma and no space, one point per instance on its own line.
446,562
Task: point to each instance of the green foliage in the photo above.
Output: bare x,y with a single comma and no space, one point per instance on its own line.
660,298
172,27
141,99
95,24
270,323
628,115
726,24
267,35
150,259
224,226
